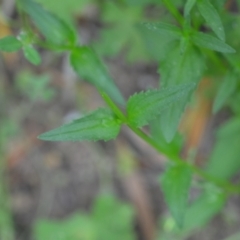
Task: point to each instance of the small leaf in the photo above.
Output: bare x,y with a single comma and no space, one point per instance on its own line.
202,210
31,55
10,44
98,125
212,17
226,89
210,42
89,67
175,184
53,28
188,6
145,106
164,28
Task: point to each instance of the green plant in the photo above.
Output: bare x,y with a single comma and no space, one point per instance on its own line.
34,89
6,221
190,46
100,224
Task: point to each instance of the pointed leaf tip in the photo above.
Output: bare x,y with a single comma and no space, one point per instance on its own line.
211,16
210,42
98,125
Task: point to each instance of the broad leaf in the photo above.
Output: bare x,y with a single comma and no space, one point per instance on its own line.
188,6
98,125
164,28
145,106
225,90
212,17
53,28
31,54
224,160
175,184
178,68
210,42
10,44
89,67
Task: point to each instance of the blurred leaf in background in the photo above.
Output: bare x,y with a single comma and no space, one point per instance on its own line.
224,160
121,31
175,183
35,88
65,9
109,219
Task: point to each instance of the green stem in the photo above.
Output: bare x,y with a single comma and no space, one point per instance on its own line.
225,185
153,143
114,107
228,187
221,183
173,10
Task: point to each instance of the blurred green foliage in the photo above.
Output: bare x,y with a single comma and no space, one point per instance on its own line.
190,40
109,219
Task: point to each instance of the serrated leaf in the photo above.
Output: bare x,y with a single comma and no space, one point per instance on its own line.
175,184
212,17
224,160
53,28
31,54
178,68
210,42
98,125
145,106
88,66
188,6
226,89
10,44
164,28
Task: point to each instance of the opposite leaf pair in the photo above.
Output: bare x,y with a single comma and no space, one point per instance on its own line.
104,124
